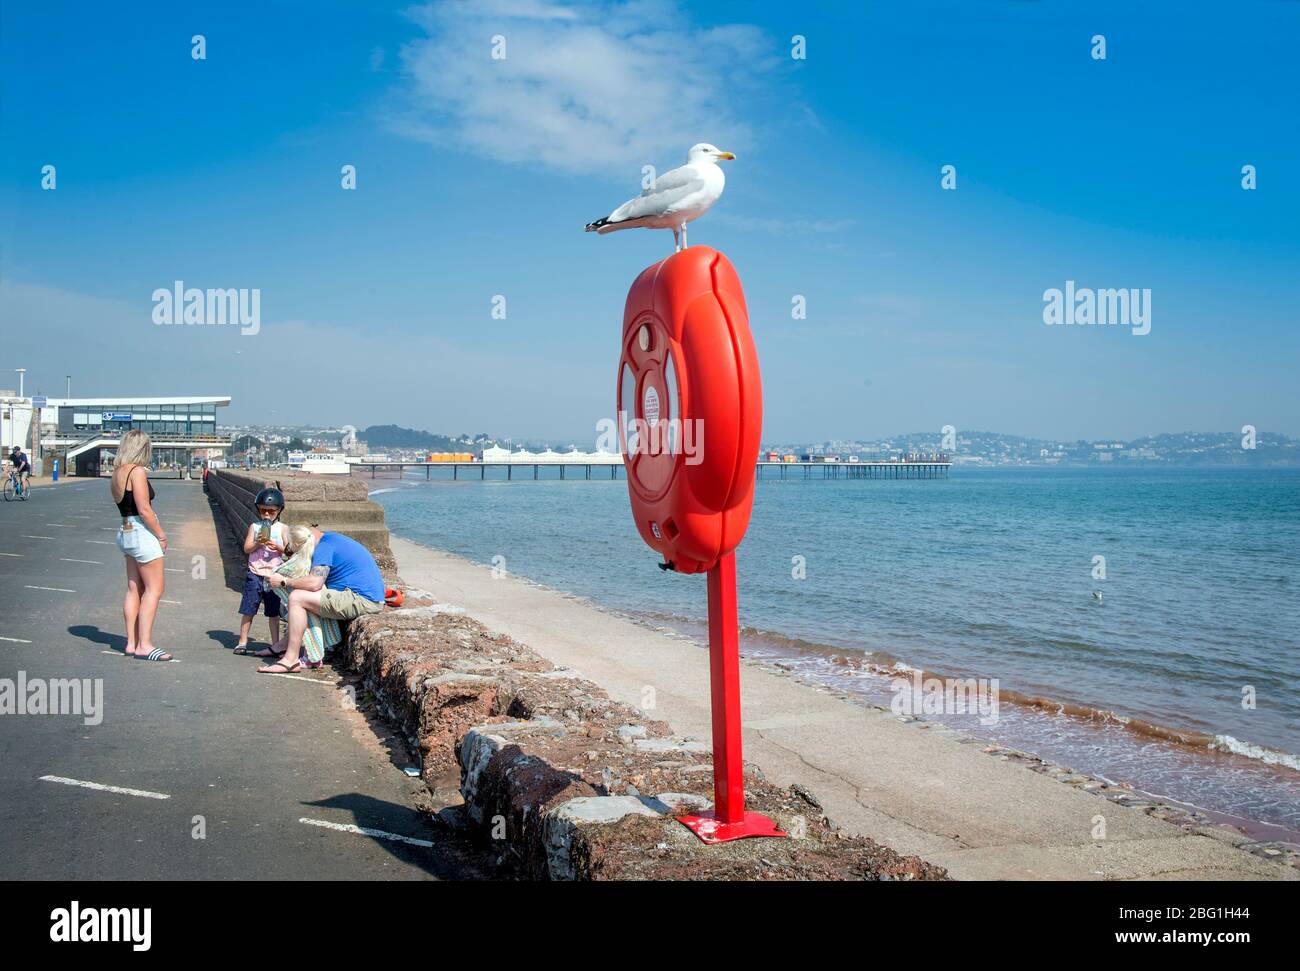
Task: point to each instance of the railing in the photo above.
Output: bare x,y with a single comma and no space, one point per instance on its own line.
156,437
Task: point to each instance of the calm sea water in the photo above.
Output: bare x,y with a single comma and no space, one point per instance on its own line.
987,574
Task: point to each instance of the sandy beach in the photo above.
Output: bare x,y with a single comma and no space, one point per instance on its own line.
914,786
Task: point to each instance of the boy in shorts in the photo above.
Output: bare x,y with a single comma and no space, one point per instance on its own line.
264,543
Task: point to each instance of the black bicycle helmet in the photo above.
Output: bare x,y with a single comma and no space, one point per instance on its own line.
270,496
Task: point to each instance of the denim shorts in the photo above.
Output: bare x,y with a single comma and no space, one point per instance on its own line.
255,596
139,543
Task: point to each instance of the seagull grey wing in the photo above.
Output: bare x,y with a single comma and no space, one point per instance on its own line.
671,193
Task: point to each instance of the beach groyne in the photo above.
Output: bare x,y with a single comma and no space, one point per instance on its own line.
337,504
569,784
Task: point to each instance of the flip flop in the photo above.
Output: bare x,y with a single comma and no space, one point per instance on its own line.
264,652
244,650
288,669
157,654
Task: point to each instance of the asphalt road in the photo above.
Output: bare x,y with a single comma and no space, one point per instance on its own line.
242,758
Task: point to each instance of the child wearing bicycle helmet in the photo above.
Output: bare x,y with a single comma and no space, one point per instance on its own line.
264,543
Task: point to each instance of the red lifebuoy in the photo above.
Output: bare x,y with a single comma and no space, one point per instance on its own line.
690,408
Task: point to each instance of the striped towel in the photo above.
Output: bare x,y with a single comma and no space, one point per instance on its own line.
322,633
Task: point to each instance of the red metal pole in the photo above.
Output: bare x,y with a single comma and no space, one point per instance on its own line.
727,820
724,679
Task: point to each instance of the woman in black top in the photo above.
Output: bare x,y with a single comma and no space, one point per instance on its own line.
142,541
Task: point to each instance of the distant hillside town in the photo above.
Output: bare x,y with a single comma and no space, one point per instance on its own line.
81,436
267,445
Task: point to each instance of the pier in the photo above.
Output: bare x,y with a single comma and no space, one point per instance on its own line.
596,470
860,470
481,467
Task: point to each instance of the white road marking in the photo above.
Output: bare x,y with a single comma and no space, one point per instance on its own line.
52,589
101,542
11,554
25,536
299,677
103,788
170,570
365,831
176,602
62,525
66,559
16,640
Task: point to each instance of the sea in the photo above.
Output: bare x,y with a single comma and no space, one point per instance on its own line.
1141,625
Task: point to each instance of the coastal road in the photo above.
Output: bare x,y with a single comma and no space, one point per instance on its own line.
200,769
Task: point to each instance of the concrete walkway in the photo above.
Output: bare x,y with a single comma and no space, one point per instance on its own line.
241,758
914,789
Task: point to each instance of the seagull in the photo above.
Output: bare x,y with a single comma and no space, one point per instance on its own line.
675,199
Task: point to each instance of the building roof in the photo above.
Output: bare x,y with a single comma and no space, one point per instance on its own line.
114,400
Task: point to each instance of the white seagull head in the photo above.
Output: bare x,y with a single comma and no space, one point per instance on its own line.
704,151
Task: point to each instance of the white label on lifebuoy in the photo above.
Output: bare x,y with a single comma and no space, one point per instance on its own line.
651,405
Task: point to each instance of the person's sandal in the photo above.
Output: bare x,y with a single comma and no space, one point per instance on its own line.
288,668
157,654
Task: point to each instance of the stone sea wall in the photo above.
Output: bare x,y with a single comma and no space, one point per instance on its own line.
336,503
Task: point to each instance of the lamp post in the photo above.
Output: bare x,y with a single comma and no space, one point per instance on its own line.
21,372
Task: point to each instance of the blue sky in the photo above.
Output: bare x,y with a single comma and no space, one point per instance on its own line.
476,176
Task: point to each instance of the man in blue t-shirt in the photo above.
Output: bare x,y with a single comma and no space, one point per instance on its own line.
344,584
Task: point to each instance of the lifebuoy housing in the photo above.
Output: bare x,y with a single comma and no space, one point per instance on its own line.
690,408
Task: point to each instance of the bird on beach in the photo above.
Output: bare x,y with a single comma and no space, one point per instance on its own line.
676,198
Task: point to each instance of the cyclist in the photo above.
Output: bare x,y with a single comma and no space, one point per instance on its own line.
21,467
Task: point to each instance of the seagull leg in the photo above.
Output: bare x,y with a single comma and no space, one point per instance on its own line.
677,239
684,243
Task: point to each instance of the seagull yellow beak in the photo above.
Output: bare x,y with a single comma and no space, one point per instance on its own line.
728,155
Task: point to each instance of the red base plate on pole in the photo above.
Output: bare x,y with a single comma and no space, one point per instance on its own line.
710,830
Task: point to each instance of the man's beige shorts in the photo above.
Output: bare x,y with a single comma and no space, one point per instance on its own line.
346,605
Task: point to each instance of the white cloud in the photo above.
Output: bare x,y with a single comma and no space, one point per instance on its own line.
583,88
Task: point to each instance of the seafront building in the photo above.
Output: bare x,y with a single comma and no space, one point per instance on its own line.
15,421
83,433
503,456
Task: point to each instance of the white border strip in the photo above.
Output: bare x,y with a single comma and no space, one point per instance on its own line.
365,831
103,788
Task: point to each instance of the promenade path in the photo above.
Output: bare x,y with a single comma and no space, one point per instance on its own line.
241,757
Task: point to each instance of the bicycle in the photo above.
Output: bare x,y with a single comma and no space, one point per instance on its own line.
14,488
